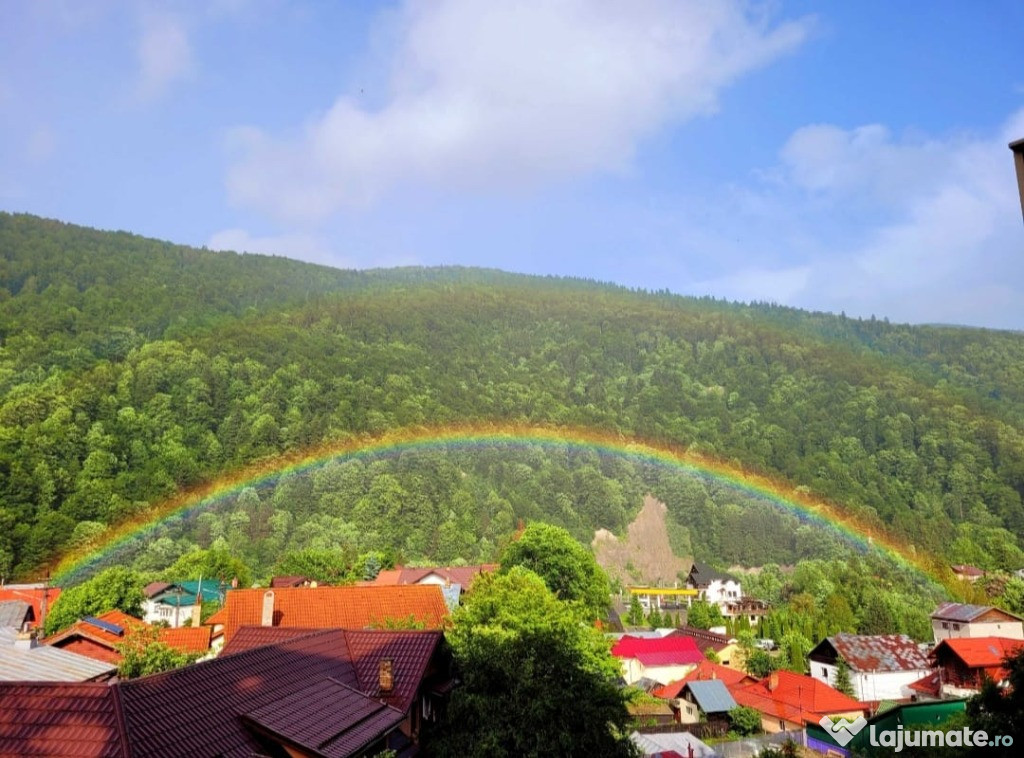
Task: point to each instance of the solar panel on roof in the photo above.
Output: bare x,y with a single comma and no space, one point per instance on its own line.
104,625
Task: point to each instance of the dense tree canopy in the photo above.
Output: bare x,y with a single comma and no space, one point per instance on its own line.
537,680
567,568
113,588
130,369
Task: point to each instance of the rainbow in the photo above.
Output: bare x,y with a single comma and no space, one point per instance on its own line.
867,536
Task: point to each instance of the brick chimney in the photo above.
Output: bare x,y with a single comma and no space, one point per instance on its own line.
267,618
773,681
386,675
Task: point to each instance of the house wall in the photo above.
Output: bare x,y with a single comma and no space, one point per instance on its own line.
945,630
666,674
771,724
89,649
879,685
152,612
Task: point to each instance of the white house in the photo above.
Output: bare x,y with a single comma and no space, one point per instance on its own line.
954,620
661,659
881,666
714,586
174,603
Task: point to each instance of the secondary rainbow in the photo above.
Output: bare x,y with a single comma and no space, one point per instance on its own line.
817,511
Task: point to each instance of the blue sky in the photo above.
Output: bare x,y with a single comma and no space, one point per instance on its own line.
833,156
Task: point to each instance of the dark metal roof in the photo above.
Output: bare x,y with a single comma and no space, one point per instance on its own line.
959,612
702,575
327,718
158,713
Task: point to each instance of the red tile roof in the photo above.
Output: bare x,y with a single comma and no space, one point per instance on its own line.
187,639
184,639
59,719
32,595
705,670
327,718
794,697
929,684
979,652
659,651
347,607
462,575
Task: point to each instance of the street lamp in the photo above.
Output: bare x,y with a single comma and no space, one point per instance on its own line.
1018,161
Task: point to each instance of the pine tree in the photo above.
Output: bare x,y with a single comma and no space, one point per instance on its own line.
843,682
635,617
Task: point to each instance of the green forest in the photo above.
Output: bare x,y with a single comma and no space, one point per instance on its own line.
132,368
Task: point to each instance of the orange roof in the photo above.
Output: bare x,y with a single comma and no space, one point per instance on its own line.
794,697
980,652
705,670
32,595
185,639
348,607
461,575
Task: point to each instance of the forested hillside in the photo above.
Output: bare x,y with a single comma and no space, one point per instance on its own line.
131,368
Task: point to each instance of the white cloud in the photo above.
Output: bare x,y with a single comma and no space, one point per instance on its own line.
510,95
164,53
918,228
759,284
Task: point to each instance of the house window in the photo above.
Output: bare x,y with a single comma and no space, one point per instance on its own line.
945,625
956,627
824,672
782,726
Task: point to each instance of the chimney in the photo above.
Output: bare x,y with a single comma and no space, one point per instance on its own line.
773,681
26,641
267,619
234,582
386,675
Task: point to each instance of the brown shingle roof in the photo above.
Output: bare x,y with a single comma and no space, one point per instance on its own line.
59,719
347,607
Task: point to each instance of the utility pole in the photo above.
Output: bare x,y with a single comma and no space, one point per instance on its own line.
1018,161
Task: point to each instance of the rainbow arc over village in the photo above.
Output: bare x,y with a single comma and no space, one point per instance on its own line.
785,496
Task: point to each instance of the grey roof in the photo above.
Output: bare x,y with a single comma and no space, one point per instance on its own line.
662,742
964,613
14,612
49,664
7,635
879,652
711,695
